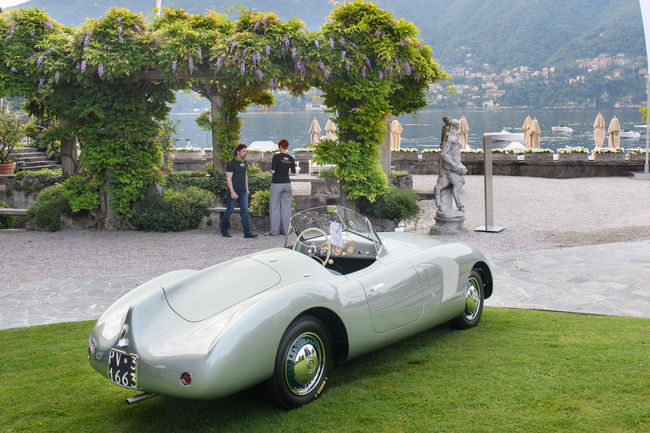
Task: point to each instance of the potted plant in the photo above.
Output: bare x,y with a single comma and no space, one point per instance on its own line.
538,155
471,155
12,131
636,154
431,155
572,154
504,154
404,154
609,154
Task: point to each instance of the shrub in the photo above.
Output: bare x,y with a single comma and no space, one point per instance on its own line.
328,173
49,208
6,222
260,202
215,183
172,210
396,204
30,182
395,174
80,194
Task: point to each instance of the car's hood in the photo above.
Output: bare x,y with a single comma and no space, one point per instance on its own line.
214,289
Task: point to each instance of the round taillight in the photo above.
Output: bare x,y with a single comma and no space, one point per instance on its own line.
186,378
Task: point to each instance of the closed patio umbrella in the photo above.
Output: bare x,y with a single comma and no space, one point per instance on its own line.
395,134
599,131
614,131
526,127
462,132
314,132
535,134
330,130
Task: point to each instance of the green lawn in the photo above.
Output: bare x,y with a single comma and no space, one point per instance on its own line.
518,371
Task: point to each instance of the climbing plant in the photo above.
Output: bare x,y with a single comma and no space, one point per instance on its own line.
372,67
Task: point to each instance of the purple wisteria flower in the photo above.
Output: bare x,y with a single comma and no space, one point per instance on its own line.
316,44
184,36
41,82
258,74
199,54
158,188
83,66
331,42
137,27
39,62
300,67
367,60
87,40
347,66
121,38
353,45
381,75
408,42
236,57
267,51
233,46
401,42
419,46
408,68
257,24
257,57
12,28
321,65
119,20
383,35
418,77
327,72
119,29
13,69
342,40
264,20
242,68
31,32
80,40
190,64
343,54
378,33
100,70
244,52
174,64
293,53
286,41
56,77
363,72
49,25
219,62
157,42
228,41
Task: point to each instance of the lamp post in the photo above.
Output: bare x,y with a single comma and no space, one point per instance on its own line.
645,14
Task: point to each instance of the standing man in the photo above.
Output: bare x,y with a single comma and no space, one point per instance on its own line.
237,181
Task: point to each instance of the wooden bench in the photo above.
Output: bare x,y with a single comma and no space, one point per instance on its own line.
12,212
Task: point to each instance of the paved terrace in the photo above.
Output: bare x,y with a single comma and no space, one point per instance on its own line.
579,245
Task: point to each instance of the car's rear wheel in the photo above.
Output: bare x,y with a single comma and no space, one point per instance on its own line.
302,363
473,302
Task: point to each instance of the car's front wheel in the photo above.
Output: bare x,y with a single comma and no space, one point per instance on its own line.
473,302
302,363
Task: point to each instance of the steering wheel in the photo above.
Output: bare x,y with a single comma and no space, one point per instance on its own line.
313,248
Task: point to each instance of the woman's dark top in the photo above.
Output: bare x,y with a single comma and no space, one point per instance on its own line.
281,164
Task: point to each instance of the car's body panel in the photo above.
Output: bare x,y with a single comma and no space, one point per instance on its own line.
224,324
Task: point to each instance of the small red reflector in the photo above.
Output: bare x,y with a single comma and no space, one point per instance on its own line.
186,378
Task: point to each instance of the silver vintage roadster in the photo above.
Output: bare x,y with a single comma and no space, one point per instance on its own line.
284,315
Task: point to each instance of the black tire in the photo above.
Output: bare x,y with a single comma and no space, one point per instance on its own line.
302,363
473,302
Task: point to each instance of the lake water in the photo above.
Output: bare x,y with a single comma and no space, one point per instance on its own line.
422,130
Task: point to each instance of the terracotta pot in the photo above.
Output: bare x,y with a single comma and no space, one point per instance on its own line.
6,168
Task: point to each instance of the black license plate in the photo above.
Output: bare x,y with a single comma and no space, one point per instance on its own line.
122,368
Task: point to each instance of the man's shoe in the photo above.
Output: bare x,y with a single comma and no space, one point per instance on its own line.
226,234
250,235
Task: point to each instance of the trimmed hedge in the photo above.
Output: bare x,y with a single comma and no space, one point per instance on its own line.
171,210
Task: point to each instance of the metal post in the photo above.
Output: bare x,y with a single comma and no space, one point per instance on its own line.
647,128
487,182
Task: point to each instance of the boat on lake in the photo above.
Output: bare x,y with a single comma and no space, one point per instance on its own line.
562,129
626,133
507,134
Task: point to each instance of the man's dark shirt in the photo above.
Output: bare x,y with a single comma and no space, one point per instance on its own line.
238,170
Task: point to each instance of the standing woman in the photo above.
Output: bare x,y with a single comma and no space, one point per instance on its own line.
282,166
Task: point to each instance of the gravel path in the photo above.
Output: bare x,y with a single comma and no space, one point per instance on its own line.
537,214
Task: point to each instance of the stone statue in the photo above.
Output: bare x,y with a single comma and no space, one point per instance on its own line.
450,175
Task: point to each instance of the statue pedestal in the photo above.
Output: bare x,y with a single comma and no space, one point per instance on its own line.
448,221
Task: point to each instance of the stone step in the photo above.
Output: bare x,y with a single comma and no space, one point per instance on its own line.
38,163
40,167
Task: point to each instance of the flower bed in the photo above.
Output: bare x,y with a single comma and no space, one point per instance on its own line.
609,154
405,154
538,155
573,154
472,155
431,155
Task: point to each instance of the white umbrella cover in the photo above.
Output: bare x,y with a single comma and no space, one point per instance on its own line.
462,132
614,131
526,127
535,134
395,134
330,130
599,131
314,132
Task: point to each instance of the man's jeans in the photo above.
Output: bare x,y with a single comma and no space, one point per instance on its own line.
243,206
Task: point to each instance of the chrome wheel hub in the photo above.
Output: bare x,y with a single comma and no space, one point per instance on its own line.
304,363
472,299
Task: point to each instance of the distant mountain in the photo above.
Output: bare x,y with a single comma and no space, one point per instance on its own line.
503,33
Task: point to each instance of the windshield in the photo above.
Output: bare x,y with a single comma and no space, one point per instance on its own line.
352,223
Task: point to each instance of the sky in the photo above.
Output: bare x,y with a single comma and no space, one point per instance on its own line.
7,3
